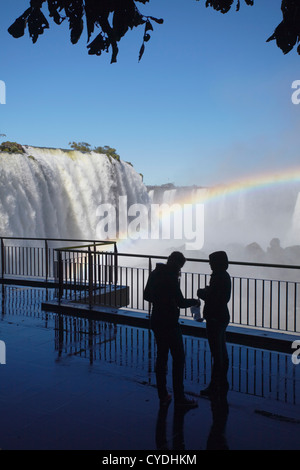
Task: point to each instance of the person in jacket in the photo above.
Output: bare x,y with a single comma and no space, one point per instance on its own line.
216,297
163,291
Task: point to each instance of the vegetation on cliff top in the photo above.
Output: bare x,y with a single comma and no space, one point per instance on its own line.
85,147
11,147
14,147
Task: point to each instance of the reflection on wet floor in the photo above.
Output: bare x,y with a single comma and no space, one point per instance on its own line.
125,356
252,371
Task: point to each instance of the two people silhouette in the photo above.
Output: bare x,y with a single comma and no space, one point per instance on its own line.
163,291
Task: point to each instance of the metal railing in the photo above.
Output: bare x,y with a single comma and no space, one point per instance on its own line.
87,273
263,296
35,258
256,301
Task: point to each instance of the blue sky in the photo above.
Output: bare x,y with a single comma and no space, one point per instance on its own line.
209,102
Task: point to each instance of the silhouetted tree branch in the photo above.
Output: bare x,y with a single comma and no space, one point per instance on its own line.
287,33
113,19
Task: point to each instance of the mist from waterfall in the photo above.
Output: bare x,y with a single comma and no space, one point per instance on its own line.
249,223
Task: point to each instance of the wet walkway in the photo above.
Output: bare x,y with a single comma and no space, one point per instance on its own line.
71,383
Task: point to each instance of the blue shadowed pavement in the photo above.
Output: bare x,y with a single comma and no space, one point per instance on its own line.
75,383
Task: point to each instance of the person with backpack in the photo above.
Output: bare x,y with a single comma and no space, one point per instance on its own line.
163,291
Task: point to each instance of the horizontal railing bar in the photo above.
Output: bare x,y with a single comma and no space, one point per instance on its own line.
78,248
201,260
56,239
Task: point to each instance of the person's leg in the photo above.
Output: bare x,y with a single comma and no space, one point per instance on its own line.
224,366
217,343
178,356
212,336
161,364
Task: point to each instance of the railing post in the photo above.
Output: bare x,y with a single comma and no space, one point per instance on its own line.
90,271
150,269
60,277
46,259
2,258
116,263
95,263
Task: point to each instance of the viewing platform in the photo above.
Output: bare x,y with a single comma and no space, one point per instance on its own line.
80,373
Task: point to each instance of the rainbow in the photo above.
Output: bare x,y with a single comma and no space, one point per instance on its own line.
249,183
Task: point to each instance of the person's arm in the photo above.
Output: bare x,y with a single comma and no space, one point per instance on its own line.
218,290
202,293
181,302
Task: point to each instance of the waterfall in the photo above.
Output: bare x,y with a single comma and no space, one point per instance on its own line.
56,193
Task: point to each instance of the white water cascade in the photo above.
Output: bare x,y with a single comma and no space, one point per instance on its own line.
56,193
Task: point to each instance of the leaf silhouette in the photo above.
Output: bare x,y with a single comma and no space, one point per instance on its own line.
142,50
17,29
115,17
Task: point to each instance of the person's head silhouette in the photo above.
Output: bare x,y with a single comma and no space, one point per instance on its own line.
218,261
176,261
